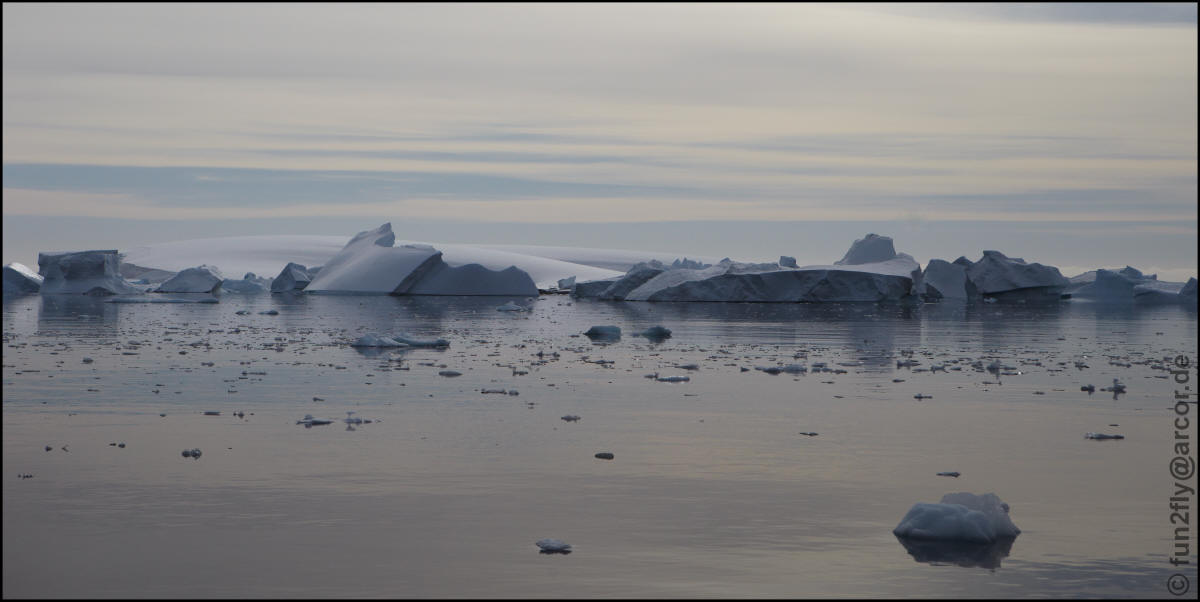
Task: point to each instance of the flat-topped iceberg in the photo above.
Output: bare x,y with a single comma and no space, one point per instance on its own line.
82,272
964,517
200,279
19,279
870,271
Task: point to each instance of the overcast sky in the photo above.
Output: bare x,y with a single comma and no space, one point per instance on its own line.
976,126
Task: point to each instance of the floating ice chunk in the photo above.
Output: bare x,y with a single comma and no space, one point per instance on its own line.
656,333
293,277
412,341
450,373
605,333
82,272
566,284
553,546
1101,436
19,279
146,299
309,421
200,279
787,262
959,517
571,418
374,340
672,379
511,306
954,474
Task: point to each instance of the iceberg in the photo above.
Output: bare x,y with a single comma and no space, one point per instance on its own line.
82,272
19,279
943,280
998,275
870,271
371,264
250,283
293,277
473,279
1124,286
961,517
200,279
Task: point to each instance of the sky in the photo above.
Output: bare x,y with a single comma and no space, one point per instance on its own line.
1062,133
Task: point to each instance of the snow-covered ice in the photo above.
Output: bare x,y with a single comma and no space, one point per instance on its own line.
370,264
959,517
82,272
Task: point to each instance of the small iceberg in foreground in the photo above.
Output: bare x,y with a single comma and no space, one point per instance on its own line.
959,517
19,279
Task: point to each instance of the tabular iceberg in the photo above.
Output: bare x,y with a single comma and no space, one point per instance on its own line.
82,272
200,279
1127,285
19,279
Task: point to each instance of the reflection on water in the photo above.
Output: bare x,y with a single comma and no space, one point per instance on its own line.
960,553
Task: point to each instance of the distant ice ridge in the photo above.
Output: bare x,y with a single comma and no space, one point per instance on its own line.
200,279
870,271
82,272
961,517
19,279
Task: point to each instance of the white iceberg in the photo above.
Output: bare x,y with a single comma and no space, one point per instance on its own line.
293,277
996,274
375,340
200,279
370,264
19,279
82,272
959,517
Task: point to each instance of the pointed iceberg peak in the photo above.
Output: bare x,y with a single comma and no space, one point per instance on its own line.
872,249
382,236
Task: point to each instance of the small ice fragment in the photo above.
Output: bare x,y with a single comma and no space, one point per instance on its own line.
920,396
605,455
450,373
212,413
949,474
510,306
809,434
673,379
553,546
568,418
603,333
88,360
1102,436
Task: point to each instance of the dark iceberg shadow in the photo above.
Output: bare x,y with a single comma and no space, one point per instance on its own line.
959,553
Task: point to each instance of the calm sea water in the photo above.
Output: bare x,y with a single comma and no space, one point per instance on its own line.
712,492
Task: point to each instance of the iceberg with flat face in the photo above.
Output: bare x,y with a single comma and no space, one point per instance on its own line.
19,279
200,279
82,272
871,271
996,274
964,517
473,279
943,280
293,277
